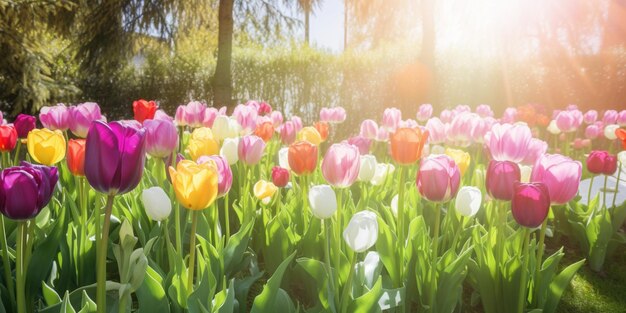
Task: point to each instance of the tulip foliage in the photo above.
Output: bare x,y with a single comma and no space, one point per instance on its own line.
256,212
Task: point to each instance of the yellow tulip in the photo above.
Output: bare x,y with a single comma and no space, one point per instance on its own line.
45,146
311,135
195,184
202,143
460,157
264,190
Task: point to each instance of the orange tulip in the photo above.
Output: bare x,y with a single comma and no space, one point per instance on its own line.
302,157
322,128
76,156
407,145
265,131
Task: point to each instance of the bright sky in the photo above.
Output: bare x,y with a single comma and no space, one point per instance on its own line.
327,26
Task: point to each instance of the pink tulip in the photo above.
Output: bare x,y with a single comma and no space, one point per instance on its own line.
560,174
246,116
225,174
277,119
161,115
508,142
410,123
81,117
251,149
391,119
382,135
446,116
484,110
610,117
621,118
593,131
362,143
571,107
192,114
55,117
161,137
590,117
288,133
501,175
264,108
460,132
438,178
424,112
369,128
436,131
569,121
577,143
530,204
297,121
341,163
509,115
462,108
333,115
536,149
209,117
480,127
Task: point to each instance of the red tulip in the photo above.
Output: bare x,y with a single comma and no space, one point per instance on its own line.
601,162
530,204
280,176
76,156
8,138
144,110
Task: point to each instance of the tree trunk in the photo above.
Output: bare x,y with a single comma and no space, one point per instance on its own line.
307,15
222,79
427,55
345,25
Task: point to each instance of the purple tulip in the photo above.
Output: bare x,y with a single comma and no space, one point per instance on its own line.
501,176
114,157
55,117
26,189
560,174
251,149
225,174
24,124
161,137
81,117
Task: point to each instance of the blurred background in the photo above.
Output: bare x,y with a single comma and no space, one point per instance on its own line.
301,55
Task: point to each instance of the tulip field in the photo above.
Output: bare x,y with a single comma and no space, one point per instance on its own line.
200,210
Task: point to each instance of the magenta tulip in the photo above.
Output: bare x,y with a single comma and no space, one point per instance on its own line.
161,137
23,124
280,176
55,117
81,117
560,174
114,157
501,176
340,166
508,142
601,162
438,178
250,149
530,204
424,112
26,189
225,174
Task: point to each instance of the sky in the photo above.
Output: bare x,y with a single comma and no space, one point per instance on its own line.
327,26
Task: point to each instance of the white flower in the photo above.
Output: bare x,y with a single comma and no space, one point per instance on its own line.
323,201
283,158
362,231
382,170
225,127
468,201
394,205
553,129
229,150
156,202
367,167
609,131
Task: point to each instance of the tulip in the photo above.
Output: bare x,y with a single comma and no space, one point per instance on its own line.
410,123
610,117
230,150
210,114
500,178
468,201
362,143
24,124
161,137
144,110
156,203
484,110
323,201
461,128
46,146
508,142
340,166
55,117
250,149
76,156
225,127
553,129
560,174
368,129
394,206
195,185
310,134
569,121
601,162
382,135
288,133
225,174
297,121
264,190
246,116
191,114
381,173
280,176
265,131
424,112
322,129
407,145
114,157
509,115
593,131
530,204
26,190
446,116
609,131
8,138
436,131
333,115
438,178
590,116
283,158
277,118
621,135
536,148
362,231
367,167
81,117
525,172
460,157
161,115
391,118
302,157
202,143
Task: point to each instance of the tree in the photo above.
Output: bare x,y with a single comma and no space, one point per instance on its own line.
308,7
222,80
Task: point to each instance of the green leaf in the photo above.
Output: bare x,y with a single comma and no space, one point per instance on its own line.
49,294
225,299
266,301
369,301
66,306
558,285
235,248
151,295
386,247
200,299
317,271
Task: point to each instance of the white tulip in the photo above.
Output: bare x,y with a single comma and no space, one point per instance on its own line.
156,202
525,172
609,131
394,205
370,268
468,201
382,170
229,150
283,158
553,129
323,201
362,231
225,127
367,167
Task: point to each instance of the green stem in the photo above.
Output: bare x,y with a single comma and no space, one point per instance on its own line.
400,225
345,295
589,192
338,228
606,178
619,173
102,256
168,242
540,248
227,217
433,266
192,252
524,280
17,151
179,241
331,278
20,267
6,263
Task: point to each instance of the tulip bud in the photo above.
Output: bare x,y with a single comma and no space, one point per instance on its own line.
230,150
407,145
156,203
24,124
323,201
225,127
501,175
367,167
553,129
394,205
196,185
381,173
26,189
280,176
8,138
460,157
530,204
369,128
76,156
81,117
55,117
265,131
264,190
310,134
144,110
362,231
468,201
225,174
302,157
161,137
